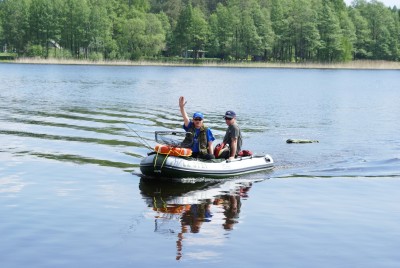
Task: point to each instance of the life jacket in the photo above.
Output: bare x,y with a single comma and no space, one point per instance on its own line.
202,138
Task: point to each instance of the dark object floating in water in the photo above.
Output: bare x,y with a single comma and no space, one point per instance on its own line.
301,141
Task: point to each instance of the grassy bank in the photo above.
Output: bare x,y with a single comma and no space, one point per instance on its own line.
367,65
7,56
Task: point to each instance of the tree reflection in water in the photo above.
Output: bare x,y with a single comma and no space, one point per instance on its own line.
183,208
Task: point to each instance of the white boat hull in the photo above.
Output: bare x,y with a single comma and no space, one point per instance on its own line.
156,165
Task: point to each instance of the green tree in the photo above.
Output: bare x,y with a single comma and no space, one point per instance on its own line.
222,32
331,34
141,5
200,4
248,29
277,30
99,31
384,38
348,38
155,36
280,25
348,33
199,32
249,39
132,38
262,20
182,31
44,23
213,4
15,24
363,33
236,44
167,30
305,35
39,21
143,35
1,27
75,20
191,31
394,30
172,8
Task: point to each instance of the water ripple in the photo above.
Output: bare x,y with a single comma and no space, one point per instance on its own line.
68,134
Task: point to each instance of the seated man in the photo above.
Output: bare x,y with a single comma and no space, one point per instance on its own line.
233,137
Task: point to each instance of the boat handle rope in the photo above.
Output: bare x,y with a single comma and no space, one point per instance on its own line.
162,164
158,152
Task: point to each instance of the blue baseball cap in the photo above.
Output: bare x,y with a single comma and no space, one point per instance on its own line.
198,115
230,114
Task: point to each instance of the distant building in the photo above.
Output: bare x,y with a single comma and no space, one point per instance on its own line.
191,54
54,44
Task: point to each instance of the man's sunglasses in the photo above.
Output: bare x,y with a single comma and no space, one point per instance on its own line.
227,118
198,119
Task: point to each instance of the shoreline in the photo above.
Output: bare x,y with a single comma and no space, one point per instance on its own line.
353,65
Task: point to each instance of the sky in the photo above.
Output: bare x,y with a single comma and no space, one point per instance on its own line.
388,3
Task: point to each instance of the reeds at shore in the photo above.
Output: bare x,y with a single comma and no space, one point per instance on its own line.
367,64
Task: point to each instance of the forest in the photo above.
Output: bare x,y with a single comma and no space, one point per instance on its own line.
220,30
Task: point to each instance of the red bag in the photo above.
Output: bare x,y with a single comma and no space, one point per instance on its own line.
245,153
219,149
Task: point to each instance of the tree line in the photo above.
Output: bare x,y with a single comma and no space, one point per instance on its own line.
264,30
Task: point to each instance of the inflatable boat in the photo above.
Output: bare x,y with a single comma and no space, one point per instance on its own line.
159,165
168,160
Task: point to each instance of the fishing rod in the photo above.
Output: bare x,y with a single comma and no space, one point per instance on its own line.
139,138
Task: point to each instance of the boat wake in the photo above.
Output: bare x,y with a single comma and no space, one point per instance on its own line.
363,168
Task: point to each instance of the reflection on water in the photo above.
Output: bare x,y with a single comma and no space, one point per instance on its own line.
210,208
11,184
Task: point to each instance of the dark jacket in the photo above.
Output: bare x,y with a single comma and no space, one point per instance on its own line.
189,139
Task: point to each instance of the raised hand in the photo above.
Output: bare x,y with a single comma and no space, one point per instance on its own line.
182,102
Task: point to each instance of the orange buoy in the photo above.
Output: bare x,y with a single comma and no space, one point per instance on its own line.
174,151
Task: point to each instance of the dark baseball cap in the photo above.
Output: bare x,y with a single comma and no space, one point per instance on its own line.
230,114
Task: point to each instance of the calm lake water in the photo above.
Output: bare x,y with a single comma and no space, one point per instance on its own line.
71,193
